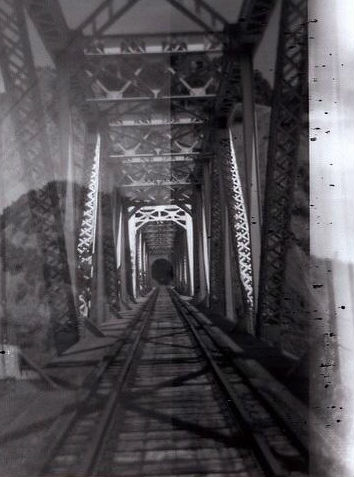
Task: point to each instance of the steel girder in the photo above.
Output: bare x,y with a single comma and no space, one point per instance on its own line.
141,175
243,36
28,116
217,276
237,213
135,45
86,241
157,140
147,151
253,19
170,213
147,78
49,19
202,14
197,229
159,226
170,126
109,254
158,194
287,124
105,15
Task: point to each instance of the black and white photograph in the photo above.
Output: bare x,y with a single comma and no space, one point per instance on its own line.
176,238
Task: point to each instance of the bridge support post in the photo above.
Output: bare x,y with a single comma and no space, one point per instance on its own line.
287,127
126,261
109,247
200,283
253,196
66,169
236,222
217,277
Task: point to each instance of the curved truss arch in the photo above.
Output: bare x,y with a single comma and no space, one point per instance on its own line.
161,213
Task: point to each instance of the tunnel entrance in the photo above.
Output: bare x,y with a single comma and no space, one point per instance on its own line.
162,271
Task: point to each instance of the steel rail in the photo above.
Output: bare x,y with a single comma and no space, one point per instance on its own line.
102,432
298,441
91,385
261,447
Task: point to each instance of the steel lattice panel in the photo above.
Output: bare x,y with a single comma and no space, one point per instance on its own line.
87,232
28,116
237,216
217,276
287,124
109,255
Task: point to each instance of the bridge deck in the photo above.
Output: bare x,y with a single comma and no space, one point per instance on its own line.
163,393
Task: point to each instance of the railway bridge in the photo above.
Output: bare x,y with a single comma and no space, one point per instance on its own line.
162,312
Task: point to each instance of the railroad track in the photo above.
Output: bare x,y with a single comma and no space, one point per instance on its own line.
171,403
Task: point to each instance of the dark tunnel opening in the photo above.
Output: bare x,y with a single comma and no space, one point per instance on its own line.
162,271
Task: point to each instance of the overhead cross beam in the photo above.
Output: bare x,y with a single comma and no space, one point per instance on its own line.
253,20
49,19
243,38
201,9
104,16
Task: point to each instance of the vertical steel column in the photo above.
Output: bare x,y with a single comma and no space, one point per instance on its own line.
87,235
122,266
138,266
196,231
109,245
217,277
287,124
27,113
206,202
250,142
187,272
144,266
67,165
132,248
228,264
127,277
200,280
239,230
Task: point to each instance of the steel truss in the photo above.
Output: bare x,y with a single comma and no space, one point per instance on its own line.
160,214
86,241
237,213
109,255
27,114
287,124
184,78
217,276
240,38
135,45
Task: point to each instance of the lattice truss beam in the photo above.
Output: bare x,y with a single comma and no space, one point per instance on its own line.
171,213
171,193
86,241
287,125
237,213
121,77
27,113
146,175
243,36
177,77
145,150
160,236
159,226
152,141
